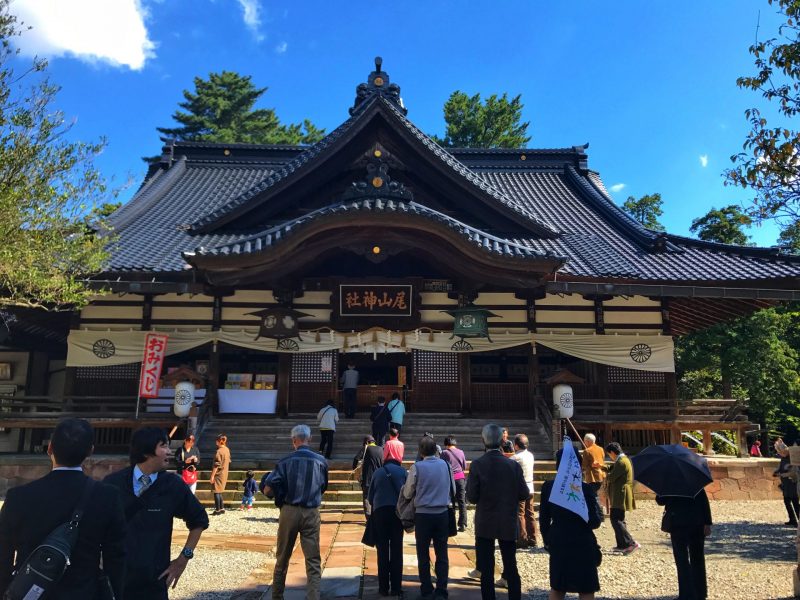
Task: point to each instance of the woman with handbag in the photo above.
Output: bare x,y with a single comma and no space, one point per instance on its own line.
574,552
387,529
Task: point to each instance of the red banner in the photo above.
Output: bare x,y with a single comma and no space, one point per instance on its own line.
155,347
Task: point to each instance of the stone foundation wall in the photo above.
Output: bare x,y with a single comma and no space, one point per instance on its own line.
737,479
17,470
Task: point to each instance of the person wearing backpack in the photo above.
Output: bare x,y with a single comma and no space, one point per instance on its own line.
152,498
32,511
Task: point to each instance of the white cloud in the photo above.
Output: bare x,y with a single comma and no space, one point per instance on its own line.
617,187
251,13
282,48
92,30
704,160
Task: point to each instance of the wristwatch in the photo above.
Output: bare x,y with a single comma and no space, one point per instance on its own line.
187,553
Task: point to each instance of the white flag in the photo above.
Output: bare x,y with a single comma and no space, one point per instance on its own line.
568,489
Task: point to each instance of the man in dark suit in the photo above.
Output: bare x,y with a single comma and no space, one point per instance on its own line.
151,499
496,484
33,510
371,458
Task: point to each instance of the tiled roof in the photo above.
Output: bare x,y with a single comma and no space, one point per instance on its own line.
388,207
569,210
324,146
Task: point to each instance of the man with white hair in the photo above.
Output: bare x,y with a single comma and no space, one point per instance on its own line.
297,484
592,461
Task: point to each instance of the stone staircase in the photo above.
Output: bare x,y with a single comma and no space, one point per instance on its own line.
257,443
342,492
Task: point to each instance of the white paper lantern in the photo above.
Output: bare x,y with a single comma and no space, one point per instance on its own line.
184,396
562,401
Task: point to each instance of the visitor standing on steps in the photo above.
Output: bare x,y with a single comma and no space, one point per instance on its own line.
349,383
380,420
527,517
327,418
371,458
458,465
297,483
620,495
219,473
397,412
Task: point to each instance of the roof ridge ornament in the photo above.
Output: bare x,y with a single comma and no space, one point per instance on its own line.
378,85
377,182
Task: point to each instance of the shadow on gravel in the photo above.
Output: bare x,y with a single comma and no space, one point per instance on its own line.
261,519
745,539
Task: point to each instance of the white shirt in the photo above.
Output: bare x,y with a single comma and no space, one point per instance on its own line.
137,485
525,460
78,468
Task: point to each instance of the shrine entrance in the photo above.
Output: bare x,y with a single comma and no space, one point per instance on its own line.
380,374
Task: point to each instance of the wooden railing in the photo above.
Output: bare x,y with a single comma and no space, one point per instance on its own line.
46,407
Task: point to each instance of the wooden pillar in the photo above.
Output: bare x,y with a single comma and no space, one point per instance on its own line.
608,434
741,442
533,382
147,312
284,378
708,448
670,379
465,383
599,315
675,435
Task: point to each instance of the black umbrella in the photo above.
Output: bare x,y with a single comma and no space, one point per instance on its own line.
671,470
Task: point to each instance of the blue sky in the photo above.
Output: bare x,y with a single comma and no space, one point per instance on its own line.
650,85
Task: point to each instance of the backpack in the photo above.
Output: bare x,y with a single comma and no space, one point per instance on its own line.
37,578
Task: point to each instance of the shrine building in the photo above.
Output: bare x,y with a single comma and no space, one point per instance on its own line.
469,280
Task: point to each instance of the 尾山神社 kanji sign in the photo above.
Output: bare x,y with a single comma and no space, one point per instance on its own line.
375,300
155,348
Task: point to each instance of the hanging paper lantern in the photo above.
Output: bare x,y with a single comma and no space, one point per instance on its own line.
279,322
563,407
470,322
184,396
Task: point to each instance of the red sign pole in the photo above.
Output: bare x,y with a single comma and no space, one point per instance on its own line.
155,349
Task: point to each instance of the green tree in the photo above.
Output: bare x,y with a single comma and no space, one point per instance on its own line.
768,163
493,123
789,238
723,225
646,210
221,109
48,187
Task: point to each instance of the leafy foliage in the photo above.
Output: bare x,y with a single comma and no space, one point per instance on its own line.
789,238
760,354
646,210
722,225
768,163
493,123
221,109
48,188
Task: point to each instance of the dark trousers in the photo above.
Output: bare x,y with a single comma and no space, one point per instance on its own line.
326,442
596,489
690,560
484,561
432,528
397,426
379,433
219,503
153,590
527,522
792,508
624,538
389,544
461,500
349,395
365,502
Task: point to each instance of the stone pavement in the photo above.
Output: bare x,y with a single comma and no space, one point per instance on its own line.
350,569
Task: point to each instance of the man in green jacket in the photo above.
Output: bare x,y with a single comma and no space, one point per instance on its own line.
620,495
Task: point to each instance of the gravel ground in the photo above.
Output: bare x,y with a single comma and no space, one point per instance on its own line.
749,556
222,571
261,520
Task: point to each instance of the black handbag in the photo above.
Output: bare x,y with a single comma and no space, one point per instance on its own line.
39,575
368,539
666,522
452,528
